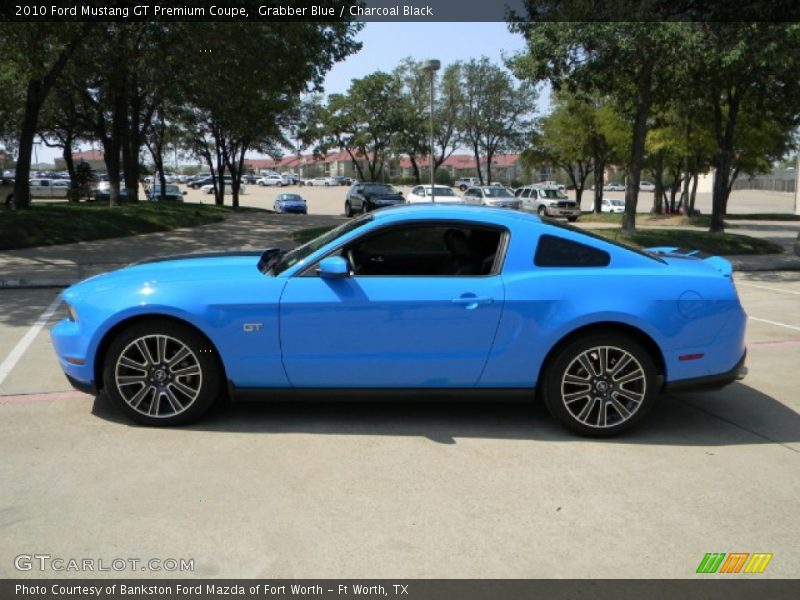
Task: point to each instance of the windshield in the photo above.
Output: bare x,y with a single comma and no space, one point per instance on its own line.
295,256
616,202
440,191
380,188
557,194
289,198
496,192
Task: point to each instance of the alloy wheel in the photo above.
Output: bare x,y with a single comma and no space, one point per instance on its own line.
603,387
158,376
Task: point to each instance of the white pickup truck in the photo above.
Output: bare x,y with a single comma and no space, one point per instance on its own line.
49,188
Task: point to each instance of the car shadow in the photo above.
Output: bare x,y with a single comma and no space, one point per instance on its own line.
737,415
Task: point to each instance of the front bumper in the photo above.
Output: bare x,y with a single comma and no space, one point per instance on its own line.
563,212
512,204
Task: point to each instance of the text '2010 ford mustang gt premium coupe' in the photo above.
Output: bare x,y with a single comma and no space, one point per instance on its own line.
418,297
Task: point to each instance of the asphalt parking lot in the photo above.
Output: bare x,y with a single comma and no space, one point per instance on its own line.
403,490
330,200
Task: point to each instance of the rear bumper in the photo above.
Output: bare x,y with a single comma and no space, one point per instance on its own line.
709,383
83,386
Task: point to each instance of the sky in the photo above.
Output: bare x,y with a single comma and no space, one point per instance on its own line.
385,45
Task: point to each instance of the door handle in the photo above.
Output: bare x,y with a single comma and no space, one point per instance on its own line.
472,302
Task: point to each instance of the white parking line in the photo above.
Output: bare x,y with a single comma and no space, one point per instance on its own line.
764,287
17,351
761,321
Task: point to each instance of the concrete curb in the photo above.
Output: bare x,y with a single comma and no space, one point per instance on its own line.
33,284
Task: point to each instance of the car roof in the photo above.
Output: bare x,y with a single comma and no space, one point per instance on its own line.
445,211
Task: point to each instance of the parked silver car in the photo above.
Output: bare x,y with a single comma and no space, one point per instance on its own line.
488,195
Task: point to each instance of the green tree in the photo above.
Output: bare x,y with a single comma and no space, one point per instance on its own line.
35,55
362,122
635,64
243,90
572,138
748,78
495,113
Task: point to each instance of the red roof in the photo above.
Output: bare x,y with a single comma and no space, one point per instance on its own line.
88,155
503,160
463,161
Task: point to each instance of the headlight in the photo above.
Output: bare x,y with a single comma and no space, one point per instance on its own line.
71,314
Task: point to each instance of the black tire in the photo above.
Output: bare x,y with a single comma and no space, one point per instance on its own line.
542,211
348,211
167,403
607,403
572,219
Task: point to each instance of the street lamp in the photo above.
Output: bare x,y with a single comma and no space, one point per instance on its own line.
430,67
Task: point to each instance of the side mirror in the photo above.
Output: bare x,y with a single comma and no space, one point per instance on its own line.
333,267
184,192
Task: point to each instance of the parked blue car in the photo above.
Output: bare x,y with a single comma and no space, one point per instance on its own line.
433,297
290,203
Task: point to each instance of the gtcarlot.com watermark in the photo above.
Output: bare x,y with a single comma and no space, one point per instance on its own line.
47,562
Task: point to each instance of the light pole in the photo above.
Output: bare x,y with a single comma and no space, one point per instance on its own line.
430,67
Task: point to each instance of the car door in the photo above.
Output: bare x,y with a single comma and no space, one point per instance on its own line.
39,188
404,318
471,196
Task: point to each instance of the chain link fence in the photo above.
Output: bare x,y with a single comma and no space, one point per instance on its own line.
777,181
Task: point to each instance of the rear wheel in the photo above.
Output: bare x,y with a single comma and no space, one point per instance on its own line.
600,385
162,373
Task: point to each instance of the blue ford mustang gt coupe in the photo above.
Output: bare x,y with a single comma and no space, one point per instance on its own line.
453,299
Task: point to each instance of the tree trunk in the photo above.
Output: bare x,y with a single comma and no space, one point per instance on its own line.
693,194
636,159
66,154
599,180
33,104
719,197
658,193
687,176
477,155
111,158
415,167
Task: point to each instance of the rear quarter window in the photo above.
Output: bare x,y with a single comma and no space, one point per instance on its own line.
555,251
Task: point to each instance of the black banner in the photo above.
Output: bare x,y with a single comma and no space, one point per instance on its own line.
399,10
395,589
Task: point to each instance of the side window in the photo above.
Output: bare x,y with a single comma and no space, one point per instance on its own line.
430,250
554,251
526,193
417,191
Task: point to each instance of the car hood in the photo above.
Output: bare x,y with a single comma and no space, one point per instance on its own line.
212,267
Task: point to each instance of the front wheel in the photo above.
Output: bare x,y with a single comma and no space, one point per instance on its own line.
600,385
572,219
348,211
162,373
542,211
